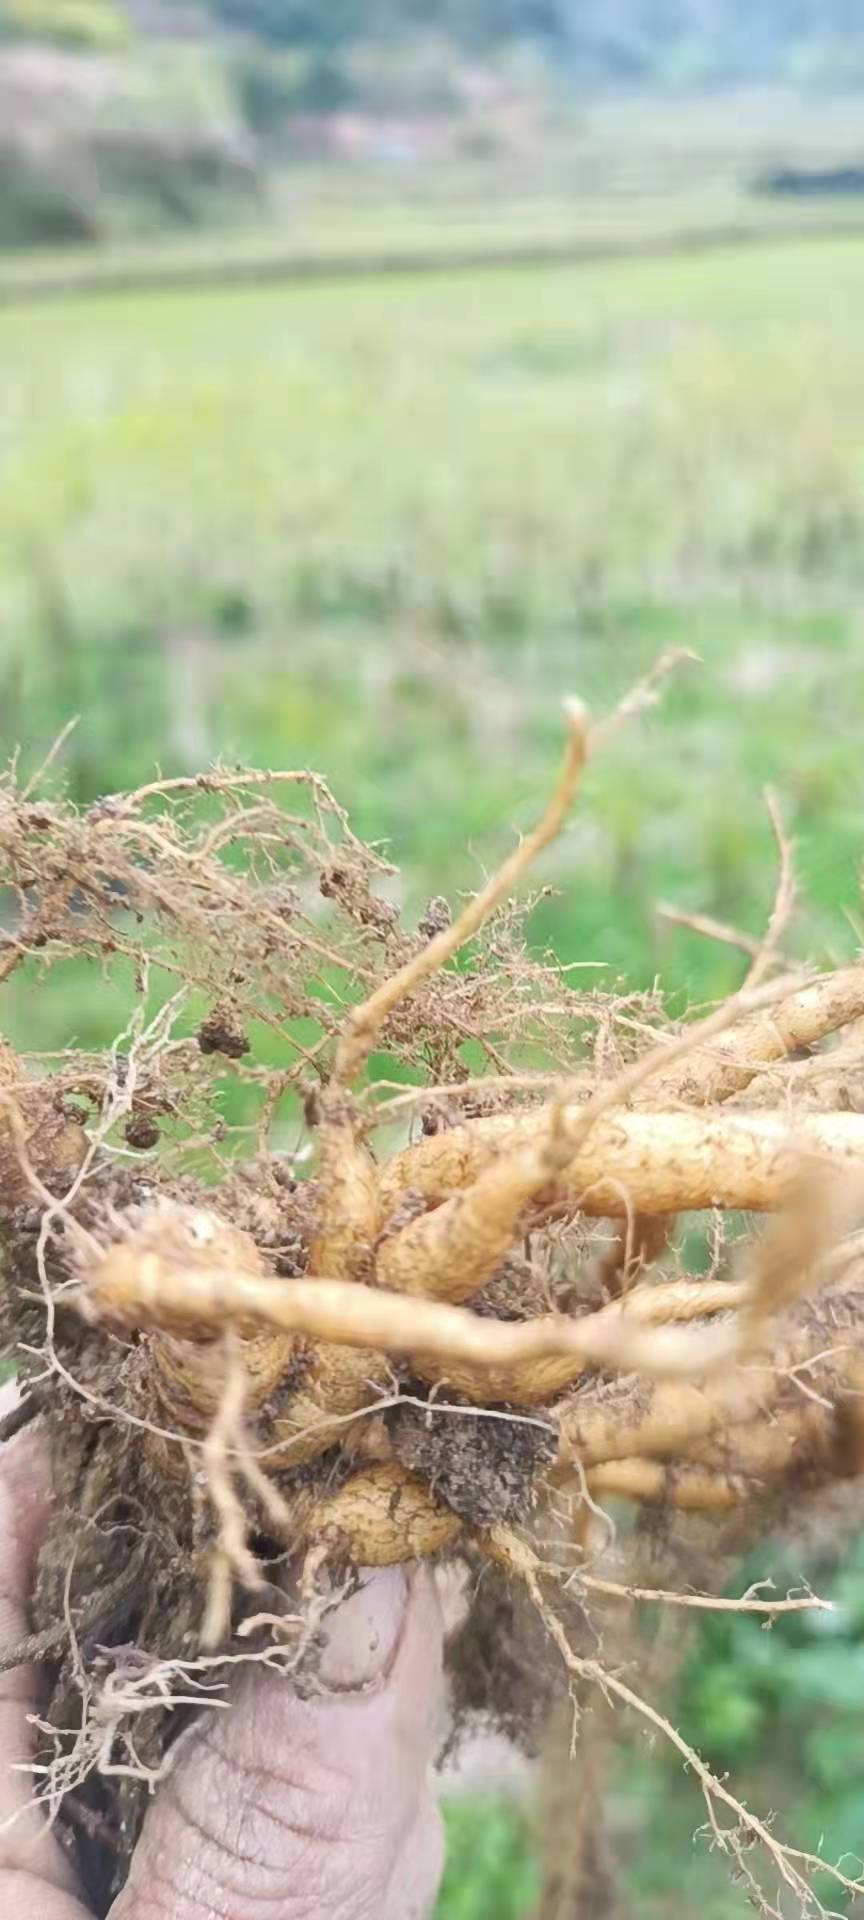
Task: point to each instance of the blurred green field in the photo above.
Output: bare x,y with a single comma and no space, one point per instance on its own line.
614,173
381,527
322,237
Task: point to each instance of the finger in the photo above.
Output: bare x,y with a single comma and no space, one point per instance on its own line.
26,1846
24,1897
292,1808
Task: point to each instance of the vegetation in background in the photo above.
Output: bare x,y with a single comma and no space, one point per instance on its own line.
92,146
645,42
490,1863
784,1704
470,84
384,530
94,25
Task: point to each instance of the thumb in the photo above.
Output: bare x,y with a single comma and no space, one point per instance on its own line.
290,1809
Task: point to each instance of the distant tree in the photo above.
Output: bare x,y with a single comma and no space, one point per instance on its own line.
338,23
299,23
635,40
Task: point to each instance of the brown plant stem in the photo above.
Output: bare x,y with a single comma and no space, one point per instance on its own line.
367,1020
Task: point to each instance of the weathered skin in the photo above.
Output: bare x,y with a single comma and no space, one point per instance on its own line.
280,1809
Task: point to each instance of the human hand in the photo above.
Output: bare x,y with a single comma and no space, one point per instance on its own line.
282,1808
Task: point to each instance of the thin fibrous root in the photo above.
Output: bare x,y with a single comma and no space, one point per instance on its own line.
634,1246
794,1868
784,898
709,928
761,953
658,1162
367,1020
753,1601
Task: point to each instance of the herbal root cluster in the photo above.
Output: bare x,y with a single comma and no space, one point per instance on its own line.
362,1245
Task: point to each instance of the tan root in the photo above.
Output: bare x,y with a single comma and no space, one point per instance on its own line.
657,1162
412,1355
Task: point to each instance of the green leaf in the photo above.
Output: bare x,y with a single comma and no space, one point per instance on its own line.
828,1676
834,1755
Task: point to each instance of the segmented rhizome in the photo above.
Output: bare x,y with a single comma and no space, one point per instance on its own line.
280,1316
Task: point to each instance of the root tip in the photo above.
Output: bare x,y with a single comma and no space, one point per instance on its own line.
576,713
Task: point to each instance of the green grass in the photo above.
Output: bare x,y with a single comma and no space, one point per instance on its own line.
491,1866
330,241
656,1821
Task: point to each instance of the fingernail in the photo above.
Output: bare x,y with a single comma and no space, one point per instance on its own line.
363,1634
